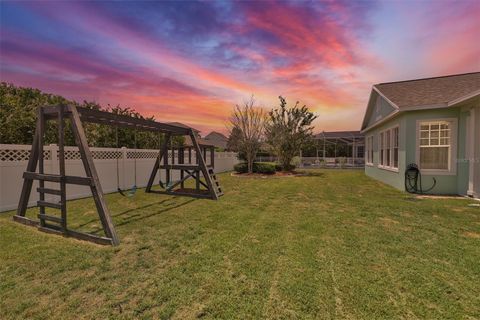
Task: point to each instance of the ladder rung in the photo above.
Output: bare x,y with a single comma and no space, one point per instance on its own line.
50,218
84,181
42,176
49,204
50,191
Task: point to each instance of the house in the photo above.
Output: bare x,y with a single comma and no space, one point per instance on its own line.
188,141
217,139
434,123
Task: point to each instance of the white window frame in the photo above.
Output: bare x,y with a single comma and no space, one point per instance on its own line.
369,150
384,134
452,152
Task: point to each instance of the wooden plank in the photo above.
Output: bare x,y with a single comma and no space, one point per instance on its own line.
181,166
49,191
27,183
91,172
24,220
58,231
50,218
84,181
43,204
92,115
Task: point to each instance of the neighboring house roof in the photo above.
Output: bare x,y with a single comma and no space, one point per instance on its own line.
428,93
201,141
215,136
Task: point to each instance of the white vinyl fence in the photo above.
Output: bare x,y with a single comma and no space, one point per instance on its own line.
14,158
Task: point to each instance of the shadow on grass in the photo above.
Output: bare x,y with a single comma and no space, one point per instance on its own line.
140,216
307,173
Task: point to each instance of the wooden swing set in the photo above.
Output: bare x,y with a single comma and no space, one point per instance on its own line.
207,188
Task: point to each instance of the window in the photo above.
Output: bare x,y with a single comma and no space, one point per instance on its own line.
388,157
435,145
369,150
395,147
360,151
382,149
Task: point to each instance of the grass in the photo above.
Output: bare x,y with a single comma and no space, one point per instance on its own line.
334,244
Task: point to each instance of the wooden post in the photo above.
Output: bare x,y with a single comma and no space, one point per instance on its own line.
61,160
41,169
91,172
212,157
31,167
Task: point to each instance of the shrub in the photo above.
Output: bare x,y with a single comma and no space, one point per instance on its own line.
264,167
258,167
240,167
278,167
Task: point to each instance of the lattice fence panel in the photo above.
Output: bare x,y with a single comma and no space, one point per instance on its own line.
142,154
20,155
106,155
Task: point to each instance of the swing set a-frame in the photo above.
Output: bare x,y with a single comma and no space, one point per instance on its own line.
206,185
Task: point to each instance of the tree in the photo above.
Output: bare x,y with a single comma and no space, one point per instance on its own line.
234,139
287,130
18,114
247,124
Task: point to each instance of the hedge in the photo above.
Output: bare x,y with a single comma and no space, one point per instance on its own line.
258,167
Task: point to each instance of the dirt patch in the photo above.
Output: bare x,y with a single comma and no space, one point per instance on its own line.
387,222
473,235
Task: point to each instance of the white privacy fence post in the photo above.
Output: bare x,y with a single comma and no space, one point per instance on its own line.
123,167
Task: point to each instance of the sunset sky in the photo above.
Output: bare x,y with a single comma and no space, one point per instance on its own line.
192,61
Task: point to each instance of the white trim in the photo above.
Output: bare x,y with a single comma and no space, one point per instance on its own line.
470,150
369,150
387,166
465,97
452,170
376,124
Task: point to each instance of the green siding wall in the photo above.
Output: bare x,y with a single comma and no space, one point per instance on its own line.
446,184
395,179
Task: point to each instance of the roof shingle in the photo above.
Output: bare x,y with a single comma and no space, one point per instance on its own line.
430,91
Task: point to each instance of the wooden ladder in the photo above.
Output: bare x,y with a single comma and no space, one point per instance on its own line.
60,205
216,185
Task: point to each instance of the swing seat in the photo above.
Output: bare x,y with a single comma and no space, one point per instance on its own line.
129,193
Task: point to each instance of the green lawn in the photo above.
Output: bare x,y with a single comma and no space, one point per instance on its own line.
334,244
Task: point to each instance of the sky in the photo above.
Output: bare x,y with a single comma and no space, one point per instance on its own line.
191,62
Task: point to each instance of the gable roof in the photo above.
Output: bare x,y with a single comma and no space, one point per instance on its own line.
216,135
427,93
430,91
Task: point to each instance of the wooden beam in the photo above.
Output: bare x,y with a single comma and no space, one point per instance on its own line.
91,172
27,183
